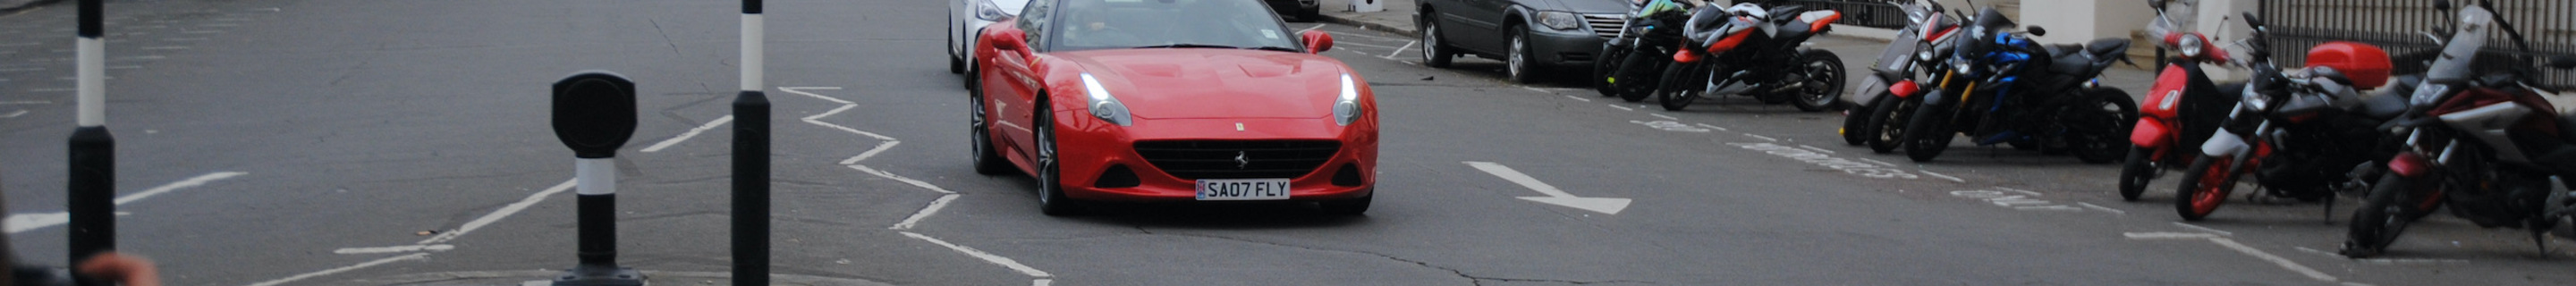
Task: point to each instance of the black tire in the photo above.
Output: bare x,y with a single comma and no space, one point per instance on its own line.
1855,130
1675,92
1605,66
2382,216
980,132
2136,172
1824,81
2109,134
1347,207
1516,62
1051,199
2198,194
1929,132
1435,52
956,61
1638,88
1888,121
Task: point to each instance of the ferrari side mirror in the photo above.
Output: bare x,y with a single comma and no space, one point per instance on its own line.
1317,41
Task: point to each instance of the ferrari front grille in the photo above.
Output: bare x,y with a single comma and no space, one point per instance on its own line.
1220,159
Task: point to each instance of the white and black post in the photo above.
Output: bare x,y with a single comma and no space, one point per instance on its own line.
751,159
91,203
594,114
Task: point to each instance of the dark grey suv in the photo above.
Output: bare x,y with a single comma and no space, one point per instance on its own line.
1530,36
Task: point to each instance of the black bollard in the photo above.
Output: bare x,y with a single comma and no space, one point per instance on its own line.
92,198
751,159
594,114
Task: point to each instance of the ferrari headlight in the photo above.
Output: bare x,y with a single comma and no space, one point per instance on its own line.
2190,45
1561,21
986,10
1104,106
1346,109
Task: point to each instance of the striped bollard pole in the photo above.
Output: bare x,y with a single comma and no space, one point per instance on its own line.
594,114
751,159
91,201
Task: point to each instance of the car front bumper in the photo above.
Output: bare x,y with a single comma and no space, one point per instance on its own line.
1575,48
1085,170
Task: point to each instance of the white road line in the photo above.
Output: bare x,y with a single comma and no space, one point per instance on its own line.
1813,148
2026,192
496,215
2100,208
13,114
413,256
52,90
987,257
1537,90
1711,126
925,212
1310,28
1875,161
1516,177
1939,175
1622,107
394,249
2168,235
1400,50
23,101
1577,98
916,183
2356,284
2284,262
684,136
1042,282
1761,137
166,48
1665,117
2205,229
25,222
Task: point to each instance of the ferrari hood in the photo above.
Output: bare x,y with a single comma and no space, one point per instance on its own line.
1216,83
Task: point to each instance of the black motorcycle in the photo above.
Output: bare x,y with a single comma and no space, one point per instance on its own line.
1749,50
1632,63
2003,88
1889,89
2486,146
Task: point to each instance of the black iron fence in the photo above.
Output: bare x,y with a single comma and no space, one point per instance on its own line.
2400,26
1865,13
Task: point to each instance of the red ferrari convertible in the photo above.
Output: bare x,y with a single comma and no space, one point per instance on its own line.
1171,100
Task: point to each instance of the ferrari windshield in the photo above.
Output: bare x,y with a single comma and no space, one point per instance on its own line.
1119,24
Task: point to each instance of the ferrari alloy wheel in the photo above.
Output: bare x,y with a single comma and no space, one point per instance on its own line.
1051,200
987,161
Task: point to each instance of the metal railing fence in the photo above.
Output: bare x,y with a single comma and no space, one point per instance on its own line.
2399,26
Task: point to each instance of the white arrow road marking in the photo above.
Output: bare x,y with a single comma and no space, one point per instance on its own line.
1554,196
2231,244
25,222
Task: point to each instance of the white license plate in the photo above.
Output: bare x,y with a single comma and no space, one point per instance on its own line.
1242,189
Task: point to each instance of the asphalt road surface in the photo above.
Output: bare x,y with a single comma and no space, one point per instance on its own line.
295,142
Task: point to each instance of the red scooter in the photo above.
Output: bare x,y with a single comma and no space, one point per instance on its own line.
2181,110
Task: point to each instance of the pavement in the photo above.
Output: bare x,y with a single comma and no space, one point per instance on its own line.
300,142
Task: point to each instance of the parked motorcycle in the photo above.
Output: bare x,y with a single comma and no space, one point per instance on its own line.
2489,147
2182,109
2034,93
1906,57
2298,133
1633,62
1744,50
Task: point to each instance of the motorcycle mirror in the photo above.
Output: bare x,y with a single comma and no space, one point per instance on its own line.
2252,20
1317,41
2036,31
2442,5
2563,62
